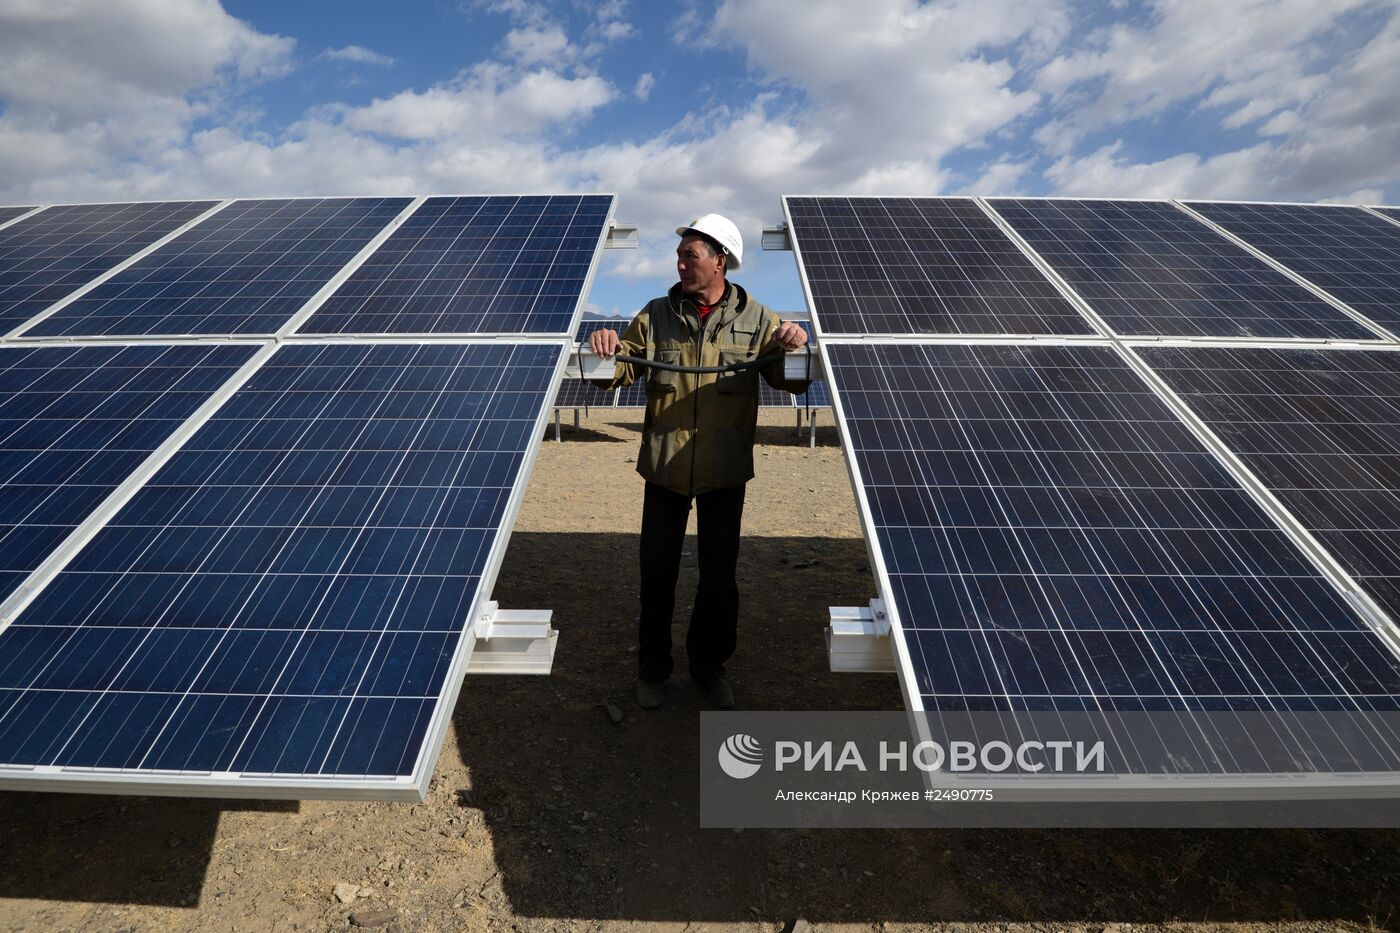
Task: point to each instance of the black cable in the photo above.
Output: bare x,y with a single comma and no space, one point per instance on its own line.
740,366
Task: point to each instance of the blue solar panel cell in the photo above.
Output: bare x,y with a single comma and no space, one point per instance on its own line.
1056,539
921,266
245,270
287,594
1321,428
1149,268
474,265
1392,212
51,254
74,423
1351,254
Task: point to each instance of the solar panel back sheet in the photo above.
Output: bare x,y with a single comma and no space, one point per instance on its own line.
282,604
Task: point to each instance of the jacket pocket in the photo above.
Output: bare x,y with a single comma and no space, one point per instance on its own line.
744,382
663,380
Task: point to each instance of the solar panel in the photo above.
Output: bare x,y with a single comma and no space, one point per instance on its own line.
577,393
1321,428
633,396
499,264
1054,538
1149,268
1392,212
920,266
47,256
8,214
286,599
245,270
75,422
1353,255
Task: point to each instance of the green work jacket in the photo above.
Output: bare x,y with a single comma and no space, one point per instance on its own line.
699,428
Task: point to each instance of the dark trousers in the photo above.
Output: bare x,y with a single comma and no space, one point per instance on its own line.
715,619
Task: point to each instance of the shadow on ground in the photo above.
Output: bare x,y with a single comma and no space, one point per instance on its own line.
599,820
120,850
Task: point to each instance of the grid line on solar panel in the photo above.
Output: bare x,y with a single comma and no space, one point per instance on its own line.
1321,429
474,265
288,593
1054,538
920,266
1147,267
246,270
1350,254
75,422
50,254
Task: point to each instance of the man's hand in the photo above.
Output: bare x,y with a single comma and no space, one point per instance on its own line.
790,336
603,343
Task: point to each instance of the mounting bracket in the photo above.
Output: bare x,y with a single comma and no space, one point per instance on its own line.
513,641
858,639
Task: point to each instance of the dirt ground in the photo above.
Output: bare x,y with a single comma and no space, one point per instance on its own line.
545,815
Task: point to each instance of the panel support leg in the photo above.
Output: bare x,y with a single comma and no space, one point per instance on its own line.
557,438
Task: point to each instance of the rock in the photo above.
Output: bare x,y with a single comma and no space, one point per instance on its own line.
373,918
800,926
345,893
614,713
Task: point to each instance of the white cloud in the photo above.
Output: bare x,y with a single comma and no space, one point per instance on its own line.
1340,137
1252,57
97,92
531,45
357,54
488,100
645,83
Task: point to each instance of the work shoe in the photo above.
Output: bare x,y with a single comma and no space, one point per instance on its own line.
651,693
718,691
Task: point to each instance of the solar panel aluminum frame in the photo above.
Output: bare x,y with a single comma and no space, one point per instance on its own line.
1381,332
120,267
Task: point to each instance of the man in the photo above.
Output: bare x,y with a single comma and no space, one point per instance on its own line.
697,444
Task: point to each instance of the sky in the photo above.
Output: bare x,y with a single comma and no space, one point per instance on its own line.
693,106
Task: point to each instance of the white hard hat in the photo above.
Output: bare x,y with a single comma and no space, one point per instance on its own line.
722,230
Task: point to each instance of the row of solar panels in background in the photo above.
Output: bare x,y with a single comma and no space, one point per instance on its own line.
454,265
578,393
1146,268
